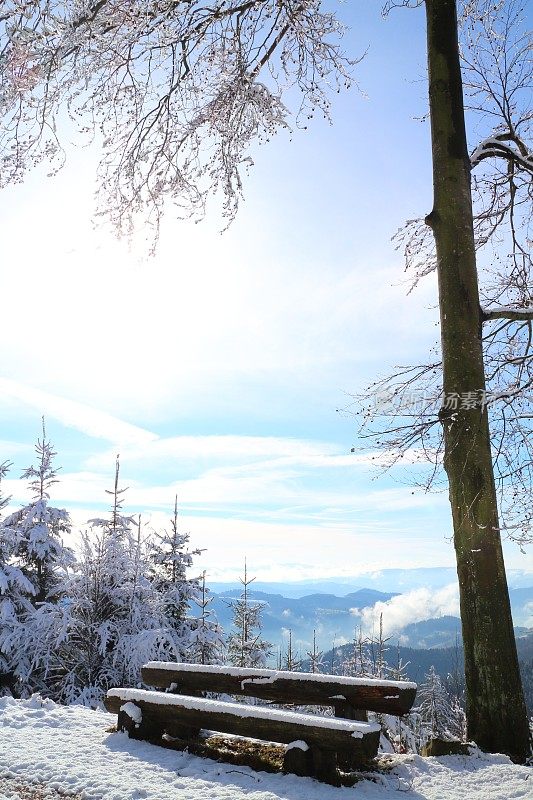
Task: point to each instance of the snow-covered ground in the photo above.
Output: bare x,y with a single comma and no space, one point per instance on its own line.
69,750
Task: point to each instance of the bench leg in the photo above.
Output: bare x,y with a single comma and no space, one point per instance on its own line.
312,762
148,729
325,766
298,761
346,711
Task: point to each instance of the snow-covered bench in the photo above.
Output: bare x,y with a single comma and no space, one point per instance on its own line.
316,743
350,697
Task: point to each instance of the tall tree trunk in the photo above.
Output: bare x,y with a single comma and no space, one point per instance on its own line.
496,711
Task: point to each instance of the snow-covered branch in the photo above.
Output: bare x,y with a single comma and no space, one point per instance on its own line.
508,312
503,145
176,92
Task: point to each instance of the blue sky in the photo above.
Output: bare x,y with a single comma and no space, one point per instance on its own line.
216,368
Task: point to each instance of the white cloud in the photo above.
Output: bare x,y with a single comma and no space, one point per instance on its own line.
276,551
15,447
528,612
275,495
414,606
220,447
80,416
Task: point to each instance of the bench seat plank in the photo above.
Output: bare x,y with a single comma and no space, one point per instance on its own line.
352,739
383,696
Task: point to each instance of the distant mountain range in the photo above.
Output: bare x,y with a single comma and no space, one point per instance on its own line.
330,616
386,580
335,619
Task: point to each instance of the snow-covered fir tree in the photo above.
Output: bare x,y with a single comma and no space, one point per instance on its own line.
170,559
334,665
397,670
399,731
119,619
206,641
36,566
15,590
39,528
246,648
377,651
315,657
368,657
291,662
112,617
439,715
357,661
4,501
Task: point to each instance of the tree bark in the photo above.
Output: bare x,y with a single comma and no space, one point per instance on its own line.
496,713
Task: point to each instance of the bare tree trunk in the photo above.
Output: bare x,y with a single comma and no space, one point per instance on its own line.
496,711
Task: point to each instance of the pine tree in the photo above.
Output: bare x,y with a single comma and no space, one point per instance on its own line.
291,662
4,469
206,644
359,661
435,708
376,650
316,657
38,528
111,618
170,561
15,590
245,646
37,562
335,663
397,672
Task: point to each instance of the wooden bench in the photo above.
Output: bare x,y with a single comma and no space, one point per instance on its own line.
350,697
317,744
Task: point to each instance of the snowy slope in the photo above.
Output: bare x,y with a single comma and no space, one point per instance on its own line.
68,749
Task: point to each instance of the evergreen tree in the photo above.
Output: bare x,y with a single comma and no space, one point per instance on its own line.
377,649
15,590
335,661
436,710
291,662
245,646
399,731
4,469
169,561
206,639
398,670
111,618
316,657
38,528
35,565
358,661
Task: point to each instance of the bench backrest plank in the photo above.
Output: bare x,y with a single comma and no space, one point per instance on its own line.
392,697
